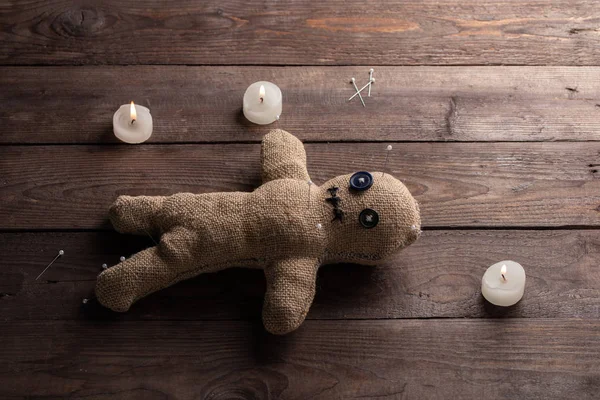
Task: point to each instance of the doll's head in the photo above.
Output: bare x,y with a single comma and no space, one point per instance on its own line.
375,216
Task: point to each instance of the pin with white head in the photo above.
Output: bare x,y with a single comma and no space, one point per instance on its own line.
371,80
416,229
60,254
319,226
122,258
387,157
104,266
357,92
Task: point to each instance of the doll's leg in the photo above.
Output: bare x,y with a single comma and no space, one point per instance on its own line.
176,257
136,214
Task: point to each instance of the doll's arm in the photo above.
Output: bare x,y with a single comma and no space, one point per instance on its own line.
145,272
290,292
282,156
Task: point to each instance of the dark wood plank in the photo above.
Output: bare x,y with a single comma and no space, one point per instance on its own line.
402,32
437,277
412,359
203,104
457,184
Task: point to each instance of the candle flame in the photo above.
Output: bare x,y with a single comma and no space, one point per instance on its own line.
503,271
261,93
132,113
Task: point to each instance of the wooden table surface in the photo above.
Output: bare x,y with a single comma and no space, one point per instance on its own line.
493,111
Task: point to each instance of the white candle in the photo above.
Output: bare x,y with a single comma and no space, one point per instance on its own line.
132,124
262,102
503,283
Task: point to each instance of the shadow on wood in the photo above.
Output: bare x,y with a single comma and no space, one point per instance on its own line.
240,292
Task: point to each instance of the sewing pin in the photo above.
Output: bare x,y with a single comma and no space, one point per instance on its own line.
104,266
357,92
147,233
387,156
370,80
122,258
362,88
150,236
60,253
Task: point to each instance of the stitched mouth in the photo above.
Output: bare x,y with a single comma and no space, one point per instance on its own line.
335,201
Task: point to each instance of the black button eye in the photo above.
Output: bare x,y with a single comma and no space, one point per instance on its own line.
361,180
368,218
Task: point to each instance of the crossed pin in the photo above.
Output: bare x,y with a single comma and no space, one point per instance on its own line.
371,81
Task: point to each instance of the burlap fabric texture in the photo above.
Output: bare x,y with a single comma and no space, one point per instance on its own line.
284,227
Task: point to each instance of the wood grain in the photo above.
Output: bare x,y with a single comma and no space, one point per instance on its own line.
492,110
402,32
457,184
203,104
412,359
437,277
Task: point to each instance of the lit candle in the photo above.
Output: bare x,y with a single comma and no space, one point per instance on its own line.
262,103
132,124
503,283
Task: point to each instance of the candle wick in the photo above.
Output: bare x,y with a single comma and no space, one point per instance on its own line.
261,99
132,121
503,277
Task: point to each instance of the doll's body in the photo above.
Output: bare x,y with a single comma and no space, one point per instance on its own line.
234,227
288,227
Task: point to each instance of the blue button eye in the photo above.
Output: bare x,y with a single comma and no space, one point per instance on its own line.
361,180
368,218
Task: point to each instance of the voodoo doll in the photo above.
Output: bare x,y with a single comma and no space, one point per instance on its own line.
287,227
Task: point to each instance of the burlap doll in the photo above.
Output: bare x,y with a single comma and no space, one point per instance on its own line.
288,227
